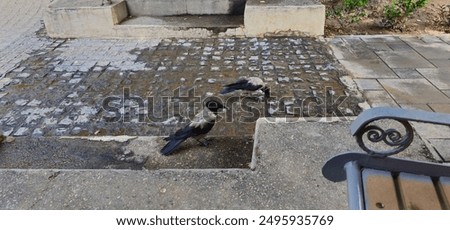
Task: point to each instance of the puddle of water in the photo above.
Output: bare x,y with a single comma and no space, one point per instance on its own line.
221,152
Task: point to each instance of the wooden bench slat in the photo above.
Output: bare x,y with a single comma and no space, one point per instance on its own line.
444,183
418,192
379,190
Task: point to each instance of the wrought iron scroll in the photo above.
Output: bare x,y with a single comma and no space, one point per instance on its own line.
391,137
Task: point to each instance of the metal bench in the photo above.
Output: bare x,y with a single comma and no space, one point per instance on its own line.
376,181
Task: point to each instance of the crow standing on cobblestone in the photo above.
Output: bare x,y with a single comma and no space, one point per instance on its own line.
202,123
247,84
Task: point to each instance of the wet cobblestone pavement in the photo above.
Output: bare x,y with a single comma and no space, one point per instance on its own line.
152,87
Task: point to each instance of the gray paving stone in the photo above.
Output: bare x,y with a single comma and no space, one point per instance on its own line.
7,130
61,131
34,102
368,84
21,102
407,73
446,92
4,82
442,146
435,50
412,39
73,95
23,75
66,121
379,46
75,80
413,91
351,49
368,68
424,107
404,59
283,79
379,98
22,131
430,131
38,132
440,63
50,121
19,69
400,46
430,39
380,39
445,38
440,77
440,108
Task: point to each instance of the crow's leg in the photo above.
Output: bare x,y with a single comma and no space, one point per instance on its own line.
202,143
207,139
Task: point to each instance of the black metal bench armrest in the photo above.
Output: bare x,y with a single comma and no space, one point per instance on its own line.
392,137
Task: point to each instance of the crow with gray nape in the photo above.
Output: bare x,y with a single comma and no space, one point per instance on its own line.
202,123
247,84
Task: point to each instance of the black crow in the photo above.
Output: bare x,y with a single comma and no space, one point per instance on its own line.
248,84
197,128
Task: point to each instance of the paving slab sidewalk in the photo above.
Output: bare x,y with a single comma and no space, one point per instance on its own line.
402,71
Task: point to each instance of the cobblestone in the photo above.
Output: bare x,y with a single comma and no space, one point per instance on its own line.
59,87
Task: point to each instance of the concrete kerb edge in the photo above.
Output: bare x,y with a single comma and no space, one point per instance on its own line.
122,138
158,171
54,4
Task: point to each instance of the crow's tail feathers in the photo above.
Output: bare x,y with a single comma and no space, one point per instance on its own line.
240,84
171,146
227,90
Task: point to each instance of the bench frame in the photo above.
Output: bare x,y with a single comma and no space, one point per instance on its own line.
348,166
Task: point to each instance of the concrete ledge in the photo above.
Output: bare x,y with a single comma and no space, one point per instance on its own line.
284,17
180,27
83,18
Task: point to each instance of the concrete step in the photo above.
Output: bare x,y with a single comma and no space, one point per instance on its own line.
186,21
184,26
